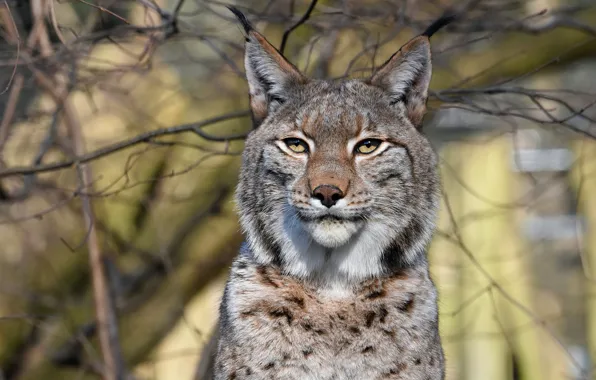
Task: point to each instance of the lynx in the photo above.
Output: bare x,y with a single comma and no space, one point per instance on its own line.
337,197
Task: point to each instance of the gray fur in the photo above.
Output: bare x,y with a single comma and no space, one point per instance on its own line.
341,292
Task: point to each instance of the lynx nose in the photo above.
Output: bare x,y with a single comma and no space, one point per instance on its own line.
327,194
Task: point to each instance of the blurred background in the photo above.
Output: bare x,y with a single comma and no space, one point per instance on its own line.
121,126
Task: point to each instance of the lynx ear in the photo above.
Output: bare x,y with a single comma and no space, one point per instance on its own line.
270,76
406,76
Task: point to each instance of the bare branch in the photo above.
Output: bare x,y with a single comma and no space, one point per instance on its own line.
10,109
301,21
138,139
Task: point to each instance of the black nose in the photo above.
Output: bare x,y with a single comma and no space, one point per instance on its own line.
327,194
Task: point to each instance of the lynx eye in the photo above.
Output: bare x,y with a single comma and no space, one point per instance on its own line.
296,145
367,146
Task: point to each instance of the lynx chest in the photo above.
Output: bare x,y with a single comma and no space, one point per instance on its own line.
275,327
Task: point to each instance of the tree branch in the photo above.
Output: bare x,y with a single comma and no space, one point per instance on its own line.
138,139
302,20
104,303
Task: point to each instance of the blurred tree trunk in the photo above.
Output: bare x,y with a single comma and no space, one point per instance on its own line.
482,232
531,343
584,180
445,262
537,353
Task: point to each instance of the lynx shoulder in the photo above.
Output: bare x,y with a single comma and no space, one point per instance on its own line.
337,198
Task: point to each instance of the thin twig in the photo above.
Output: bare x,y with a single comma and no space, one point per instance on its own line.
10,110
106,10
39,35
13,38
302,20
55,24
178,8
104,304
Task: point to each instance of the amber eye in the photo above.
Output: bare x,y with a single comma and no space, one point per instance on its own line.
367,146
296,145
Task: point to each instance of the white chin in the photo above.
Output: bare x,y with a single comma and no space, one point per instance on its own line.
332,233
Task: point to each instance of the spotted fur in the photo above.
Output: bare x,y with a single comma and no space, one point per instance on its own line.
341,291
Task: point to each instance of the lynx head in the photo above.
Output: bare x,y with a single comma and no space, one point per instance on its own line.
337,183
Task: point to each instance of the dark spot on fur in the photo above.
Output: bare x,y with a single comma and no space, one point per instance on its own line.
282,312
401,275
268,366
383,314
389,333
417,361
376,293
398,369
265,278
409,236
354,330
370,317
306,326
242,264
297,300
286,356
407,306
232,376
307,352
341,316
368,349
432,361
242,371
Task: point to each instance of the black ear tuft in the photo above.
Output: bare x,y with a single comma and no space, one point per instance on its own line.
242,18
271,78
443,21
406,76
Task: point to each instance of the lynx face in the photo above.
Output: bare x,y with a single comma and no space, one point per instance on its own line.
340,162
338,184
